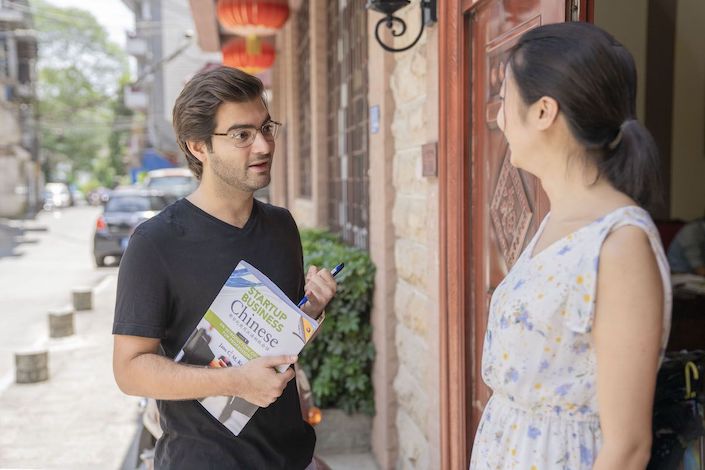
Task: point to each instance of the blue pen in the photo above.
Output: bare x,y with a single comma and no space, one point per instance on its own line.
334,272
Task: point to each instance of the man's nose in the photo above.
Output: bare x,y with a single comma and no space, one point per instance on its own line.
261,145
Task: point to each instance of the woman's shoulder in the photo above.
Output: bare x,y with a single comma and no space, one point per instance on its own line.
625,242
632,244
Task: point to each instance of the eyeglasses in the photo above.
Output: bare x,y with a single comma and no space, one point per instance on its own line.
244,136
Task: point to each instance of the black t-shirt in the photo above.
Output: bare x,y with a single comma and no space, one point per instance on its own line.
174,266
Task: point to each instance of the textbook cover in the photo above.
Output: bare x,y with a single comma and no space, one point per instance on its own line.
250,317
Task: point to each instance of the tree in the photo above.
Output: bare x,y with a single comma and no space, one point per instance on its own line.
80,73
120,132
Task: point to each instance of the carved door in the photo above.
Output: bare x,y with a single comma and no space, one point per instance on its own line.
507,204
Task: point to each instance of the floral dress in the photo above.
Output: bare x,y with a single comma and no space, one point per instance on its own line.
538,355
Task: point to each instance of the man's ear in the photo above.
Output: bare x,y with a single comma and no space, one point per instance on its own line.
545,112
199,149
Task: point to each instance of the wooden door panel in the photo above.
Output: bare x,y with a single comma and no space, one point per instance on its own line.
507,204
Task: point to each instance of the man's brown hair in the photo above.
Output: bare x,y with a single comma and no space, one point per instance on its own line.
196,106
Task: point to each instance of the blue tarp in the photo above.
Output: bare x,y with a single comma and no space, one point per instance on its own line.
151,160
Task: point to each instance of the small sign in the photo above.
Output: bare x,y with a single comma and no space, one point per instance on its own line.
374,119
429,154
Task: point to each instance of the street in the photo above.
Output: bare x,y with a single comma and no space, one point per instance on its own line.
41,260
78,418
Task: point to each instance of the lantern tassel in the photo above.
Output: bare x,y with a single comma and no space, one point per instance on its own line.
253,45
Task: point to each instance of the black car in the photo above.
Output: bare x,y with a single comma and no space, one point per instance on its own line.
125,210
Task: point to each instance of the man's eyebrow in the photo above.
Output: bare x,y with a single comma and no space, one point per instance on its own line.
241,126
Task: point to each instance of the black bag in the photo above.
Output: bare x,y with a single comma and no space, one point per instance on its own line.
678,408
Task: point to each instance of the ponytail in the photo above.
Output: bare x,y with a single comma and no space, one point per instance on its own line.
631,164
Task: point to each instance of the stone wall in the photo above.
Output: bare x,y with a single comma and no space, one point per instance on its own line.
15,165
415,217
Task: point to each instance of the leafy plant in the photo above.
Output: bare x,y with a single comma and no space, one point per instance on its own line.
339,360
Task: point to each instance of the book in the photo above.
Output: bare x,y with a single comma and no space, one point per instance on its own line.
250,317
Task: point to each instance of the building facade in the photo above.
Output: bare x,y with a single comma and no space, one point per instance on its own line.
21,180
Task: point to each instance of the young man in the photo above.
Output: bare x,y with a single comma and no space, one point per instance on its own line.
176,264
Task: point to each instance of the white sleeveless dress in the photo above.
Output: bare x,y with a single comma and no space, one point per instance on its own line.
538,355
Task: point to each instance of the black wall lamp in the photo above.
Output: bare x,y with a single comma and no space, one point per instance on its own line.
389,7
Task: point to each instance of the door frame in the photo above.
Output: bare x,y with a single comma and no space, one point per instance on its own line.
455,211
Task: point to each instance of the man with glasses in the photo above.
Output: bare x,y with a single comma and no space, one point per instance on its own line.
177,262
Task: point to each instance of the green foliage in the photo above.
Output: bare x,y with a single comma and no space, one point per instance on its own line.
120,134
80,71
339,360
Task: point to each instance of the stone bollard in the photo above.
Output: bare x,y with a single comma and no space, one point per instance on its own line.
31,367
82,299
61,323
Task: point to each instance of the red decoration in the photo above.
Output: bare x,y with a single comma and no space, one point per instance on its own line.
253,59
253,17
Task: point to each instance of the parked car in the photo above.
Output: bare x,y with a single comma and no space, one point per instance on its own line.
124,211
173,182
98,196
57,195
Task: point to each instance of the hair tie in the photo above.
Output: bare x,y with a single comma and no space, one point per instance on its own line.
618,139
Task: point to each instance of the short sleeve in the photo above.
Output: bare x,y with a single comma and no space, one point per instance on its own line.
142,301
580,308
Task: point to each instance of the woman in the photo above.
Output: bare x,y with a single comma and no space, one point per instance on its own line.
578,327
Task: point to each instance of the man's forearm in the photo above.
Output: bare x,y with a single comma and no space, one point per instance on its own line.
155,376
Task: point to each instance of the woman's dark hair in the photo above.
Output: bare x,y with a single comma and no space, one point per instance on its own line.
195,108
593,79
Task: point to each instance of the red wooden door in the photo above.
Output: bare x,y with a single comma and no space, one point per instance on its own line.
488,209
506,204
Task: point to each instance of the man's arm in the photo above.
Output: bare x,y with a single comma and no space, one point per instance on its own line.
140,371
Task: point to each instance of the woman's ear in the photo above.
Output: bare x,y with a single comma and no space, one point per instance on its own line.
545,112
199,149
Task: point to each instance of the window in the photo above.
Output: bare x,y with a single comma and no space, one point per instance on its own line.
303,56
348,210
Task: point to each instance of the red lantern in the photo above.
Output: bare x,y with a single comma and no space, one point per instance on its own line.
253,17
248,56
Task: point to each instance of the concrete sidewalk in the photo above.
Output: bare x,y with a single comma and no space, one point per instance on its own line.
78,419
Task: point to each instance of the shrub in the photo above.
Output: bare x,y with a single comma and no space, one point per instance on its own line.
339,360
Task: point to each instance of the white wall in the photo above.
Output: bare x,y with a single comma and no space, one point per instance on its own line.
626,20
688,147
176,18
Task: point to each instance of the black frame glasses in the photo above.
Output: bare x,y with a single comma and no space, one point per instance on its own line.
241,138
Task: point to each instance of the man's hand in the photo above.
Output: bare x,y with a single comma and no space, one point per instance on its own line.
259,382
320,288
